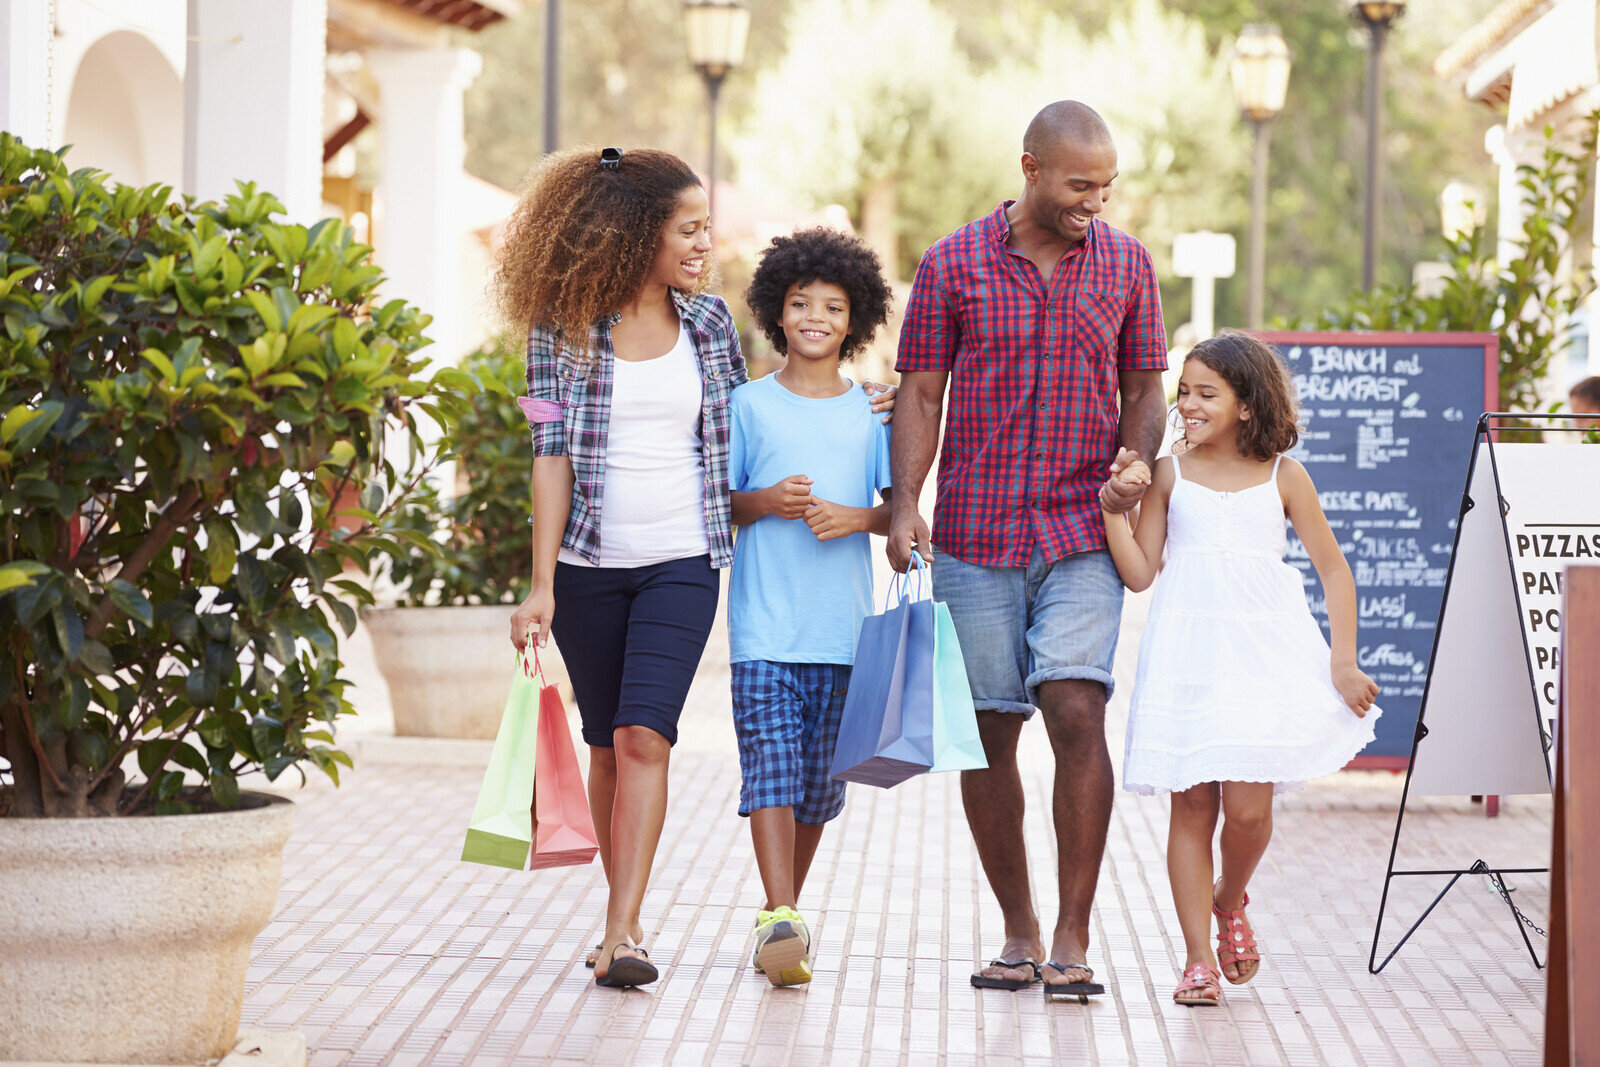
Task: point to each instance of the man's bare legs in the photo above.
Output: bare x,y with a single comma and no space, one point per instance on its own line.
993,799
1075,718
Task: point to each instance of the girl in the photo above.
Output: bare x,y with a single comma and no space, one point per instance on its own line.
1237,694
606,264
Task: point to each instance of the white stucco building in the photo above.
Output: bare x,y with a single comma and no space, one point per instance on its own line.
201,93
1538,63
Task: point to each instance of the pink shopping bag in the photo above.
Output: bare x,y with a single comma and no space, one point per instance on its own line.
563,831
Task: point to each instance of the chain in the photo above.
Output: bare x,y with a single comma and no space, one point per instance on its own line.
1505,894
50,81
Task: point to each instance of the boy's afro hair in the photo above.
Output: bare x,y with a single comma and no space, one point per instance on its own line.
827,255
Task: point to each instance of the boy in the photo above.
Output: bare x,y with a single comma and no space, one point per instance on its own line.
805,458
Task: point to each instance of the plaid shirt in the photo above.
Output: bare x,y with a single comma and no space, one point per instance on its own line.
1031,426
569,410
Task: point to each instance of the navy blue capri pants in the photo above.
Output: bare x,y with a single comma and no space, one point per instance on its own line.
631,638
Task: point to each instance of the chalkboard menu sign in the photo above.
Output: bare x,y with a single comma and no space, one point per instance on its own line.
1389,421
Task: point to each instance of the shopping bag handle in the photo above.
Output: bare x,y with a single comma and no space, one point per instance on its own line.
537,674
908,584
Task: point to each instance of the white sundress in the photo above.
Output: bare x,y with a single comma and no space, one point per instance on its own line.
1234,681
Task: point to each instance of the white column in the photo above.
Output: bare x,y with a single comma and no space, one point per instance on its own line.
421,95
253,100
25,78
1513,199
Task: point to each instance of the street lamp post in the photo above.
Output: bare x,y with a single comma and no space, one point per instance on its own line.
1377,16
716,31
552,75
1260,81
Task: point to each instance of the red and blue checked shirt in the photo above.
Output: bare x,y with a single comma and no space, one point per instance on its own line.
1031,426
569,409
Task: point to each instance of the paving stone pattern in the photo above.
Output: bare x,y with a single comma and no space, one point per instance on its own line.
385,949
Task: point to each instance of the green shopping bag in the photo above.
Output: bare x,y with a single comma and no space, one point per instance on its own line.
956,744
501,830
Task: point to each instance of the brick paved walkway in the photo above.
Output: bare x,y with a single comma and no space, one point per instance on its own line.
386,950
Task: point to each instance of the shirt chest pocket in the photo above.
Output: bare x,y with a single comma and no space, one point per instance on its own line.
572,386
1099,314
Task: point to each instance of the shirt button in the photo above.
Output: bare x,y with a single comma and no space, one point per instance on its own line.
1038,455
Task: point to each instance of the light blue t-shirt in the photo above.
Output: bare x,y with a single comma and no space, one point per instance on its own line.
792,598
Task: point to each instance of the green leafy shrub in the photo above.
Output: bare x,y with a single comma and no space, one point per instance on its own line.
481,532
191,394
1528,301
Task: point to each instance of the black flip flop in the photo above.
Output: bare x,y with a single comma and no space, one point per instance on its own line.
981,981
601,948
1079,991
629,971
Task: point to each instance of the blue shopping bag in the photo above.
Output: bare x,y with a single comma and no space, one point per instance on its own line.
909,708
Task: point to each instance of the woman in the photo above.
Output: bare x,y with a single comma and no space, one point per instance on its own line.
630,365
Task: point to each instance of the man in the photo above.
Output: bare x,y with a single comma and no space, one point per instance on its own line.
1046,316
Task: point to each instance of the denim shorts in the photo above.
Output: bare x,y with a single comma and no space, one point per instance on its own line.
786,716
1022,626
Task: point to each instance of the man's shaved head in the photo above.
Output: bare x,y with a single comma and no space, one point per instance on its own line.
1065,122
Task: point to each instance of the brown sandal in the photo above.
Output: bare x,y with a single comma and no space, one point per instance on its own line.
1236,941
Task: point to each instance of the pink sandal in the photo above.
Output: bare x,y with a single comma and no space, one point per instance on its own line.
1236,942
1204,979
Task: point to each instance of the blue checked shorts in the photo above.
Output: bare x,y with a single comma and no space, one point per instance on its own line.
786,716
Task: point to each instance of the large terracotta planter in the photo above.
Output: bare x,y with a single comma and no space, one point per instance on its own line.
449,668
126,940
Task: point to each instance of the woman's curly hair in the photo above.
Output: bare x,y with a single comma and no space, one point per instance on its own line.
583,239
820,254
1263,385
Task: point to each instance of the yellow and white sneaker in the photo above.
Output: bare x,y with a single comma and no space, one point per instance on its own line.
783,947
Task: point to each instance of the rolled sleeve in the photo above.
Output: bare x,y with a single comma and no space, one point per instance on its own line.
549,438
931,331
1142,342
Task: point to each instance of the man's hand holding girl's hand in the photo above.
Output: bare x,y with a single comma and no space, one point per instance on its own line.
1355,688
1130,477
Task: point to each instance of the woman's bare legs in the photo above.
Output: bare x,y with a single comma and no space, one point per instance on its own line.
638,809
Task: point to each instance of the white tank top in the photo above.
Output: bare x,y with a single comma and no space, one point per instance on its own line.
653,509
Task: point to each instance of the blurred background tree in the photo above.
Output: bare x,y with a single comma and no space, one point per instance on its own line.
910,114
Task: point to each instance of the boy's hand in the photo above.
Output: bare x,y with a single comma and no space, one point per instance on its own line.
829,520
790,498
1357,690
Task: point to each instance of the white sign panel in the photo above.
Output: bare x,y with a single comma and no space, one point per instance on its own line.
1552,495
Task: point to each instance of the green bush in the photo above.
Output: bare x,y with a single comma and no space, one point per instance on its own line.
191,394
1528,301
482,533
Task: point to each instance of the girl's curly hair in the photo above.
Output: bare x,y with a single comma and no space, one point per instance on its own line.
1263,385
820,254
583,239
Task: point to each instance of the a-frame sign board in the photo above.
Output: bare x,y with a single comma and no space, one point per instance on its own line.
1489,703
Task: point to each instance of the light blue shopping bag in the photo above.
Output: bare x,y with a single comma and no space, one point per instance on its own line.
909,708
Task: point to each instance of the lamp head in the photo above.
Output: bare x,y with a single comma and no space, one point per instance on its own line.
1377,14
1260,70
716,31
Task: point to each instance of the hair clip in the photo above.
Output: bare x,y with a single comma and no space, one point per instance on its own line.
610,159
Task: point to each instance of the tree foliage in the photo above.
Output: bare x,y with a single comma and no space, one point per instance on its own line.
196,402
1529,300
482,531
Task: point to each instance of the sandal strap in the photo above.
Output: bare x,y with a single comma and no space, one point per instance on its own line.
1065,967
1202,977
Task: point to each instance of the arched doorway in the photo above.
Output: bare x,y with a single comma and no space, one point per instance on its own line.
125,113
